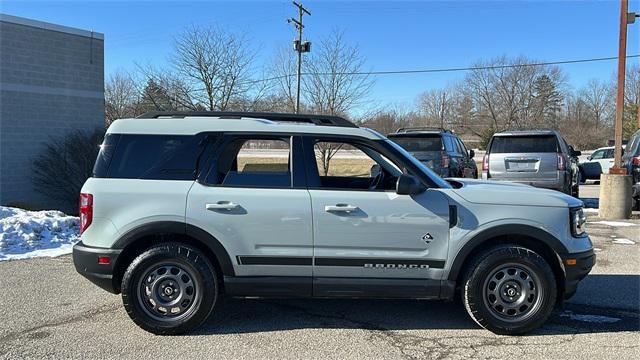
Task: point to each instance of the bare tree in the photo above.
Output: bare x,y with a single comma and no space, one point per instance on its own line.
597,96
215,65
504,90
164,90
282,71
333,83
121,97
437,106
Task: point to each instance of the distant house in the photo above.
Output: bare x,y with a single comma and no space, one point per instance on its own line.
51,82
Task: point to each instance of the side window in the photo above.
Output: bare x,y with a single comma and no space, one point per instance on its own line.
448,144
160,157
608,154
462,149
346,166
255,163
597,155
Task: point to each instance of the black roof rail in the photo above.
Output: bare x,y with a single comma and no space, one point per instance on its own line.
323,120
422,128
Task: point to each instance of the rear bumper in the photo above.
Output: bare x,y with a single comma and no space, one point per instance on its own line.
547,184
85,259
584,261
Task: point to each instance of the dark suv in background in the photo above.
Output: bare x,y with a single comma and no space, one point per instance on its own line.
441,150
540,158
631,162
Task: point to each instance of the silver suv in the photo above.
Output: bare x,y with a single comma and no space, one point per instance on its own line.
184,208
540,158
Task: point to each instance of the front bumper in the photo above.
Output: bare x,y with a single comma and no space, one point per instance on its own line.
576,267
85,259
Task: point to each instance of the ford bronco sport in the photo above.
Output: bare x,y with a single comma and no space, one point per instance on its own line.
184,208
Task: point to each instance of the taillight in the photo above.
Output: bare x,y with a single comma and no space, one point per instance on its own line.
444,161
86,211
485,162
635,161
561,162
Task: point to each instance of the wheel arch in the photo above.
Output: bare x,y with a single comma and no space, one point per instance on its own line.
136,240
533,238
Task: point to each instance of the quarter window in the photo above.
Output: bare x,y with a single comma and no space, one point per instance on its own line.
161,157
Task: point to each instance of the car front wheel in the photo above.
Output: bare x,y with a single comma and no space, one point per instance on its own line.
509,290
169,289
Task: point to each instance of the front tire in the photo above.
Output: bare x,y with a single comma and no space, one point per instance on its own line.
509,290
170,289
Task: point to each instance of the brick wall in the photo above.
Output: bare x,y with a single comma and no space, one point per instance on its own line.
51,82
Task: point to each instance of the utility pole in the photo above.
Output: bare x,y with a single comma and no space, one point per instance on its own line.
615,187
299,47
622,59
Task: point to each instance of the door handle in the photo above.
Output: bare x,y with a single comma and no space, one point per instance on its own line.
223,205
341,208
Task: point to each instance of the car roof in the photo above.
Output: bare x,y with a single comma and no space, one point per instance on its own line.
526,132
191,125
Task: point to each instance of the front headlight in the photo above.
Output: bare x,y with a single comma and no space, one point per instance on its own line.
578,221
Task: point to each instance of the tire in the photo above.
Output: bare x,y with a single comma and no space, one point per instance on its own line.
582,177
532,305
179,293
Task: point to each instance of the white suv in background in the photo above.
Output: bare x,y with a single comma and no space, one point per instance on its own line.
597,163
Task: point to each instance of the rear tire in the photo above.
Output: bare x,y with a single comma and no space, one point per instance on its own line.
509,290
170,289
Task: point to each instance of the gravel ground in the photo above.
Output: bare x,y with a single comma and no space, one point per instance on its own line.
50,311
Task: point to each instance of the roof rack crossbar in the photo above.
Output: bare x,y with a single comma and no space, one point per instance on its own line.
422,128
322,120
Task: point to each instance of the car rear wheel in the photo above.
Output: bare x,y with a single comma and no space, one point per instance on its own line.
169,289
509,290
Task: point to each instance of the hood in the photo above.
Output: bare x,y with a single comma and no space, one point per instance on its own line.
507,193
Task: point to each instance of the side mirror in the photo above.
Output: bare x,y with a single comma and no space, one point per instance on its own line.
589,158
409,185
576,153
472,153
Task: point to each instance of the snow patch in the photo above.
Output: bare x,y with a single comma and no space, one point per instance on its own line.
590,318
623,241
27,234
613,223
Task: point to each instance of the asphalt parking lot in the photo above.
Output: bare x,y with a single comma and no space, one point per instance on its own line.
49,311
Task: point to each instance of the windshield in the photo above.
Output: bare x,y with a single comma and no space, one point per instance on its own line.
416,144
436,179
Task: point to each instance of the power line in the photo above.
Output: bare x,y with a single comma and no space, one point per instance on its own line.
439,70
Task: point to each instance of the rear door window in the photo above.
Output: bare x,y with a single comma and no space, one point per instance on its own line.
254,162
524,144
418,144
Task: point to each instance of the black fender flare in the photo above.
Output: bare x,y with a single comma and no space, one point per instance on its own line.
503,230
205,239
